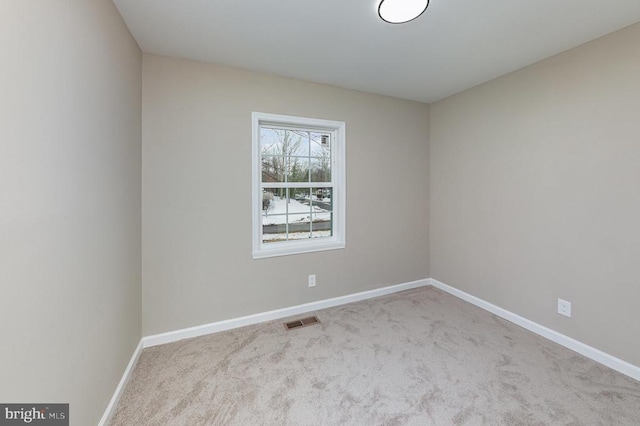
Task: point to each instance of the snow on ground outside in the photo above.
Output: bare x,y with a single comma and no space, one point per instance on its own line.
267,238
276,214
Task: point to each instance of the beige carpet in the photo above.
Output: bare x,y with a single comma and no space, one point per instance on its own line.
418,357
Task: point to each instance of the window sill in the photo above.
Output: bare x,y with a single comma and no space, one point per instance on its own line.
290,249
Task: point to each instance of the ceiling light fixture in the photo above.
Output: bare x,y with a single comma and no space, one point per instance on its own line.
401,11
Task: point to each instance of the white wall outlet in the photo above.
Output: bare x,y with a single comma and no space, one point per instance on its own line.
564,308
312,280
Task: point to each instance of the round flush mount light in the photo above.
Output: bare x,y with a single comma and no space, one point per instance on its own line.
401,11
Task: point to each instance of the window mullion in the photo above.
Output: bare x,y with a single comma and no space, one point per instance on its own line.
286,210
297,184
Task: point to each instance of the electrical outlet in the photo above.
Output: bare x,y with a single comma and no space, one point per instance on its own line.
312,280
564,308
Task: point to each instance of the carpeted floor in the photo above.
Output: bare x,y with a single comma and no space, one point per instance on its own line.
418,357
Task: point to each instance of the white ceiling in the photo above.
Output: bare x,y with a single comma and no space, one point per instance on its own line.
455,45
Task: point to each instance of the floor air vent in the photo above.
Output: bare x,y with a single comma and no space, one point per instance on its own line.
301,323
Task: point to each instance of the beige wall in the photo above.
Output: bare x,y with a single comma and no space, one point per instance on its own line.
535,192
69,203
197,265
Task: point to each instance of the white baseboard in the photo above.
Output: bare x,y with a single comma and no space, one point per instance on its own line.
597,355
201,330
109,412
173,336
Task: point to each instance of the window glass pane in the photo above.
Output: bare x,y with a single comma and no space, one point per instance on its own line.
299,201
298,170
322,214
292,143
320,144
274,217
302,195
321,169
298,141
274,232
271,141
271,202
273,169
299,226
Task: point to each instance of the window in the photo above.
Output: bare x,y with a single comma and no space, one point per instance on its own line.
298,185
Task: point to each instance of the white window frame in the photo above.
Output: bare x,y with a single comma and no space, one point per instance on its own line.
338,161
